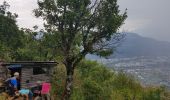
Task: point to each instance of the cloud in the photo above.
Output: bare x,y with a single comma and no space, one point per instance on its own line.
132,25
149,18
24,9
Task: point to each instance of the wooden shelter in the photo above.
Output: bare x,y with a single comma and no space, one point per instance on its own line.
31,72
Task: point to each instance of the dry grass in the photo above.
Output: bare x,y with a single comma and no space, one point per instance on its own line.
4,96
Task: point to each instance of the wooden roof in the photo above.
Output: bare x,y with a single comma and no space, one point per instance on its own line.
31,63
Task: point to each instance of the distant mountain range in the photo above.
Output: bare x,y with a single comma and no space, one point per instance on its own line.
134,45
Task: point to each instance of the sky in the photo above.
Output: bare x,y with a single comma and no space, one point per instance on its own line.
149,18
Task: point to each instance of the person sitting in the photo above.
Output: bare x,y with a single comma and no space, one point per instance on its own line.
26,93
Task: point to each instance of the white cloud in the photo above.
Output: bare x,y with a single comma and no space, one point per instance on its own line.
132,25
149,18
24,9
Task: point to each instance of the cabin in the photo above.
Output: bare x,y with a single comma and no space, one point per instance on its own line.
31,72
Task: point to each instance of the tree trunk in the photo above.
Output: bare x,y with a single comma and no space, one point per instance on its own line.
69,83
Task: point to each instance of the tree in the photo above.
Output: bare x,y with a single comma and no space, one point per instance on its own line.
37,46
80,27
10,34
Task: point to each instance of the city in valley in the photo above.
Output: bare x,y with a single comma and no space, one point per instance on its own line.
148,70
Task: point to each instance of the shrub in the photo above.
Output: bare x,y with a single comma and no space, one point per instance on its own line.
94,81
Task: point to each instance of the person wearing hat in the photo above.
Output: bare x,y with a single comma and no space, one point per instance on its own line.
13,84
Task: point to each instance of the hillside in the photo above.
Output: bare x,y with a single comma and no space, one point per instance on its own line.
94,81
135,45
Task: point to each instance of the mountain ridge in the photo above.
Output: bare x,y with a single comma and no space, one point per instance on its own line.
135,45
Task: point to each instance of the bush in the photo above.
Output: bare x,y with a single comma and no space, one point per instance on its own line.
94,81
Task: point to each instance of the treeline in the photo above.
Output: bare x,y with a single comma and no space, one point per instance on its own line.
23,44
94,81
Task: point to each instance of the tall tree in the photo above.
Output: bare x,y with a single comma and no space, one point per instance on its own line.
80,27
9,33
37,46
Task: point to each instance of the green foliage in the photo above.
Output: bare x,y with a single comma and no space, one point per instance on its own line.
16,44
91,89
94,81
31,49
10,35
81,26
23,44
58,81
152,94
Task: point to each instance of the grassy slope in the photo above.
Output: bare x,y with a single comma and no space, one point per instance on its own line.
93,81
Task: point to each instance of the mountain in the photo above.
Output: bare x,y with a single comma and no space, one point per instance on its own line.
135,45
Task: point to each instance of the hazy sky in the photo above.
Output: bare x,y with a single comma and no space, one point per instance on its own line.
149,18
